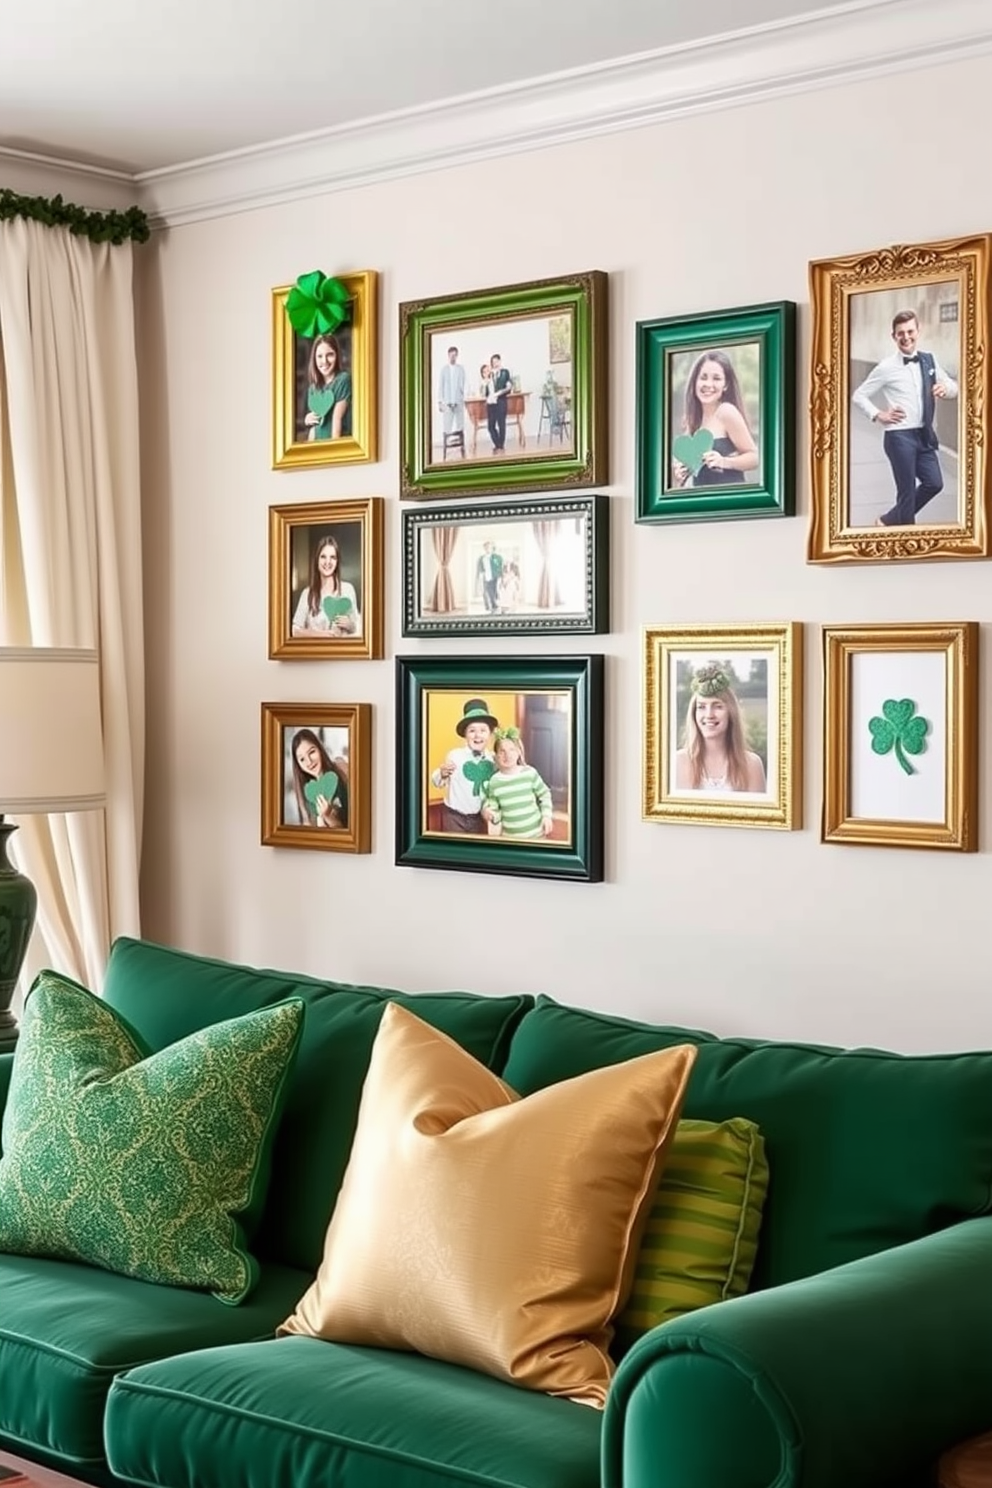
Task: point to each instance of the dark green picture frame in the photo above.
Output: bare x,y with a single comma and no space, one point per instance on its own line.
557,704
564,402
573,565
667,351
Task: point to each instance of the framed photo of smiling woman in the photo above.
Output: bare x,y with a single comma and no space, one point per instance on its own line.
325,580
722,731
716,415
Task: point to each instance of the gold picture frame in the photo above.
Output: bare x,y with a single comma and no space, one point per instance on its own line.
358,340
877,493
347,624
332,744
727,691
900,721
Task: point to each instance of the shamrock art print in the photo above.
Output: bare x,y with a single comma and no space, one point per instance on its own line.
901,730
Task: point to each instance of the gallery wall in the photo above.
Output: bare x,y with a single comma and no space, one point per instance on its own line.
741,931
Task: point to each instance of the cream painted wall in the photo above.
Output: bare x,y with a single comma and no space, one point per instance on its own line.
740,931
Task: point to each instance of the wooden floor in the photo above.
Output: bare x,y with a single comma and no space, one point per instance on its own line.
43,1476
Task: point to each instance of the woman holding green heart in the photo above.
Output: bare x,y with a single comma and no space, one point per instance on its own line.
320,784
328,414
329,604
716,446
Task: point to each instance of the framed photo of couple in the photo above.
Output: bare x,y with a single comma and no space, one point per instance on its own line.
900,759
324,386
716,415
899,403
325,580
504,390
500,765
723,725
317,776
521,567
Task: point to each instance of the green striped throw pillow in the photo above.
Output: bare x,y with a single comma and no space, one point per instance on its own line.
701,1236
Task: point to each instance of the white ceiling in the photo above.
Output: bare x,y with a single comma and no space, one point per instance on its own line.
138,87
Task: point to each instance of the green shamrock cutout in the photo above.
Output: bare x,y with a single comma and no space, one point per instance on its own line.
316,304
900,730
326,785
335,608
689,449
478,771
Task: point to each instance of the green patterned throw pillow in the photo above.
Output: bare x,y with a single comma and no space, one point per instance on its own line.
701,1238
151,1165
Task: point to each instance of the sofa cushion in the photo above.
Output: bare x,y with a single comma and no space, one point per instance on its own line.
66,1330
141,1163
166,994
490,1231
701,1237
866,1149
295,1410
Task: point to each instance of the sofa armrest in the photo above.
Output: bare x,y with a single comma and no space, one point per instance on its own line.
862,1375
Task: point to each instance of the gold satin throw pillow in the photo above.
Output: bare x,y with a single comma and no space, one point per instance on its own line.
492,1231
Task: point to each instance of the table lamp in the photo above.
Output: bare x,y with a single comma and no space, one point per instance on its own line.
51,759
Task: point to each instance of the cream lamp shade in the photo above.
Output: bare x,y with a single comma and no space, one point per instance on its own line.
51,759
51,735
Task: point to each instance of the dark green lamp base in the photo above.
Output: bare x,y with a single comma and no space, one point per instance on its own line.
18,902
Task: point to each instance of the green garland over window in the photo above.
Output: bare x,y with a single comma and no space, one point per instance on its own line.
99,227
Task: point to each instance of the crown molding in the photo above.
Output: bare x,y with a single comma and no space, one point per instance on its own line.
861,40
96,189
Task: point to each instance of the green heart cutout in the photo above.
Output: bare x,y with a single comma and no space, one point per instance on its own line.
689,449
332,608
320,401
478,771
898,713
326,785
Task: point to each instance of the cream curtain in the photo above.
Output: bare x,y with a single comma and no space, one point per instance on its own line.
70,558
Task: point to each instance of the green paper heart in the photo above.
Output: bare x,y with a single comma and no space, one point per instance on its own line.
898,713
326,786
689,449
478,772
333,608
320,401
316,304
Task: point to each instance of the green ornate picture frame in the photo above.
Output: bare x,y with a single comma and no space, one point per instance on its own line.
505,390
716,415
455,717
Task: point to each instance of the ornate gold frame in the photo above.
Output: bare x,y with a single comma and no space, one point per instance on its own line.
283,645
356,837
832,284
959,829
783,642
289,453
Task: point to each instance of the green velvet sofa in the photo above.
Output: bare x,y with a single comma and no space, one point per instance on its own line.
863,1350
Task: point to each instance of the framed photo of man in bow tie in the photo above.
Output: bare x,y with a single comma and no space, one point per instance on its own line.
898,404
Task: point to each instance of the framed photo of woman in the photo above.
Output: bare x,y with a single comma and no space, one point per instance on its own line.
325,580
716,415
722,725
899,403
324,386
317,776
504,390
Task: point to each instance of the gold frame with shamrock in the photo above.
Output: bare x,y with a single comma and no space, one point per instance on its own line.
306,522
277,719
664,650
953,730
360,447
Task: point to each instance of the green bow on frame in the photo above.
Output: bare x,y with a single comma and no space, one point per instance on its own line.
316,305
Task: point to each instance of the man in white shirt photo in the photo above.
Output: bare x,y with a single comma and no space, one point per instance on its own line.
907,383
